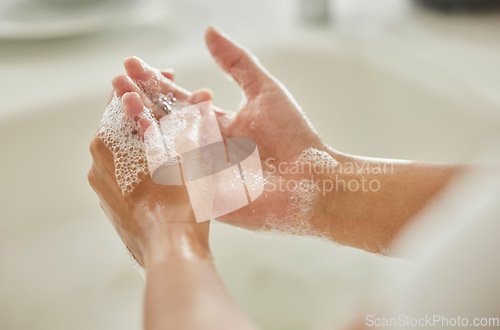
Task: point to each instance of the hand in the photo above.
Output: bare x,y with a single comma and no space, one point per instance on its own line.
271,118
153,219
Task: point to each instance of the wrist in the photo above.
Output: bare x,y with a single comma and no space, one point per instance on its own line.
177,240
332,193
352,206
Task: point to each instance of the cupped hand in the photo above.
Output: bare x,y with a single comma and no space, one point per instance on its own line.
270,117
153,219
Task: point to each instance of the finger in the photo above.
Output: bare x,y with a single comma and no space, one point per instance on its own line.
133,107
144,124
201,95
145,74
222,112
168,73
123,85
102,156
239,63
132,104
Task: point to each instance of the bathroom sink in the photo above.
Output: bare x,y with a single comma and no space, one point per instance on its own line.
70,253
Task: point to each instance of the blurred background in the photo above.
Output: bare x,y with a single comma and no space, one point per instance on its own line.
387,78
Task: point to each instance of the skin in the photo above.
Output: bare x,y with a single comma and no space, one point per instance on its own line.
359,219
157,224
163,236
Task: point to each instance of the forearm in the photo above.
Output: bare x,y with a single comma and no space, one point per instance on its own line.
183,290
373,199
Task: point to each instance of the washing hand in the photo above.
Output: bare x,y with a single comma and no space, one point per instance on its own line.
343,207
270,117
153,219
157,224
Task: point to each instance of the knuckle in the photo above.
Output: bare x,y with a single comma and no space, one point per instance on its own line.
91,177
96,145
239,60
93,148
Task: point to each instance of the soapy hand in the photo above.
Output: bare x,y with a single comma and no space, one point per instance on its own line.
288,148
272,118
152,218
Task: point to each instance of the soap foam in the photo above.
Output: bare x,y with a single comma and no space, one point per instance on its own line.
322,161
120,135
300,209
299,212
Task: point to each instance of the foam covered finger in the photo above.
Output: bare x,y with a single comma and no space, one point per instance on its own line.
123,84
133,105
151,80
144,124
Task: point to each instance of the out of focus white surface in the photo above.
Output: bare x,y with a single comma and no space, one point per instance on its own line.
452,52
455,252
43,19
388,80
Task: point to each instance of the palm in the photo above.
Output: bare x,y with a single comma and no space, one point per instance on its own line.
276,124
273,120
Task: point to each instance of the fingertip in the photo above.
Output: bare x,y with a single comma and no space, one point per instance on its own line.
137,69
131,59
238,62
115,82
223,50
168,73
122,84
201,95
129,96
211,32
132,98
132,103
131,62
212,37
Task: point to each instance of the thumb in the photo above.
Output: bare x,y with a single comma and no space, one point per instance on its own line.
239,63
